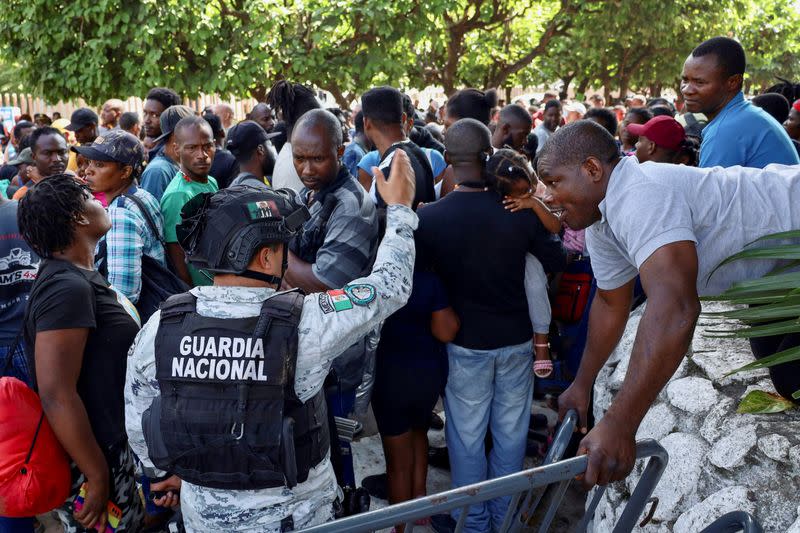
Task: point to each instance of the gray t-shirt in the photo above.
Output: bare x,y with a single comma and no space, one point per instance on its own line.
542,134
721,210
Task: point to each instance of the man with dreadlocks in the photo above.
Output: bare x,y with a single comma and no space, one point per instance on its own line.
292,101
242,431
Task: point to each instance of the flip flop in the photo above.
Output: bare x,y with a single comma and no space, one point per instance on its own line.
542,368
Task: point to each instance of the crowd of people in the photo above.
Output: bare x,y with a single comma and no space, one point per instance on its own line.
197,301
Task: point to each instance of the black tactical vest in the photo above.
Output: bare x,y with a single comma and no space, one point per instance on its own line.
228,416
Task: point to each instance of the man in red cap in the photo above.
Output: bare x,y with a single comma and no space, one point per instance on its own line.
660,139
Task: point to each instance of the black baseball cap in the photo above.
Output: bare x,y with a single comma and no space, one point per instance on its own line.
81,117
115,145
246,136
170,118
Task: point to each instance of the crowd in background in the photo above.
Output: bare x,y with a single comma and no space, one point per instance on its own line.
95,202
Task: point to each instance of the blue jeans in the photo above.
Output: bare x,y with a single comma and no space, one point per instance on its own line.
17,366
487,388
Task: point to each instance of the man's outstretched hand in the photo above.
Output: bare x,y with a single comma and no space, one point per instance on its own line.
401,186
612,453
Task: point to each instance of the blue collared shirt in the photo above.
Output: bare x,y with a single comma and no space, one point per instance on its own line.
745,135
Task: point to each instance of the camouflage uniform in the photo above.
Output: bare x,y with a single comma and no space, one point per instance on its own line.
330,322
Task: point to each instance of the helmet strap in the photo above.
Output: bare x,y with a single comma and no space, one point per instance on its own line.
269,278
260,276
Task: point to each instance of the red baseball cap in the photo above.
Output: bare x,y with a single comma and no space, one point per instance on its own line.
796,105
663,130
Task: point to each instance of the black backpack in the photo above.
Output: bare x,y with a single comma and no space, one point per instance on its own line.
158,282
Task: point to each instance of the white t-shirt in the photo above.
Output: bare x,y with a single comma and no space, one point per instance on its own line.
285,176
721,210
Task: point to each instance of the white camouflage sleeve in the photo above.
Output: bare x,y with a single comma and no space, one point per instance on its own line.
333,320
141,387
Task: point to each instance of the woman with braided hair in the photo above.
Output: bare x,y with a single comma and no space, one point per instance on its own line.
291,101
78,329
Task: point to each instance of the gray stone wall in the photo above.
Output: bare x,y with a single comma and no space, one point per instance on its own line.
720,461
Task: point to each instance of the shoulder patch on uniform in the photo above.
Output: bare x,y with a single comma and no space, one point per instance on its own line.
360,293
340,300
325,303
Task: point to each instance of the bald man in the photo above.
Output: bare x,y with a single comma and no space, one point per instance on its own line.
263,115
225,114
672,225
110,113
336,245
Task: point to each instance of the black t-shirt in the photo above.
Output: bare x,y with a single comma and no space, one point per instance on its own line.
423,174
224,167
65,297
478,249
406,336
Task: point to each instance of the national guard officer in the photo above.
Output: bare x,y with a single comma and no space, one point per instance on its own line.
223,389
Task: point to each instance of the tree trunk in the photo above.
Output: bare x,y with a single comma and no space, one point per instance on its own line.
623,87
566,80
655,90
508,94
341,100
455,49
580,90
259,92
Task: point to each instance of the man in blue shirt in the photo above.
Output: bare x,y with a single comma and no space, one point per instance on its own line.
738,132
163,166
357,149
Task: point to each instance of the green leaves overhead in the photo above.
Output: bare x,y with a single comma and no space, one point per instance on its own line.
101,48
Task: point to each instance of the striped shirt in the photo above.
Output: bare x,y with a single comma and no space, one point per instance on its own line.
129,238
351,233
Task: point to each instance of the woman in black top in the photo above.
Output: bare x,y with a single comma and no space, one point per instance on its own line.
79,330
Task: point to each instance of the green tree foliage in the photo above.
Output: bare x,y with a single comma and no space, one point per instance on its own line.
100,48
641,46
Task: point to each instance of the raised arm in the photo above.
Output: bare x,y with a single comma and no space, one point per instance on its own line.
334,320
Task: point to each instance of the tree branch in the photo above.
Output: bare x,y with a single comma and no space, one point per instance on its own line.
558,25
238,13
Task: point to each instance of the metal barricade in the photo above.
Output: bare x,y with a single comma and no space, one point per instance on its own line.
735,521
522,486
531,499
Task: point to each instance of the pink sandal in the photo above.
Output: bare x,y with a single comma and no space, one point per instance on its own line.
542,368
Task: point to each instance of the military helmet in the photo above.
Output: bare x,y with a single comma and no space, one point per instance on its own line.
220,232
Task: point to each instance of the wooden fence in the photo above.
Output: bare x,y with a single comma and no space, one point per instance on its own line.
31,105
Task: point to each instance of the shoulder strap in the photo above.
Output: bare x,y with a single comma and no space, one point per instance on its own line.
152,225
325,212
101,257
287,305
178,305
148,219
